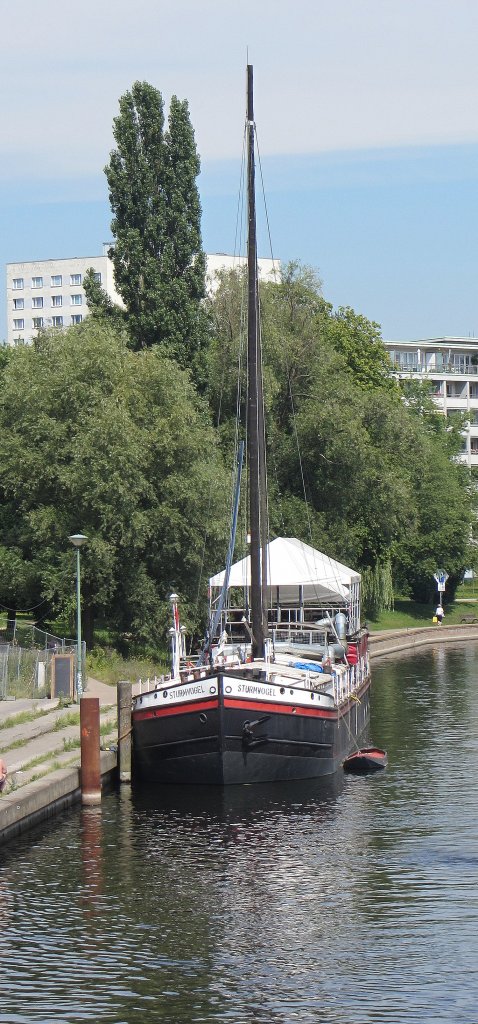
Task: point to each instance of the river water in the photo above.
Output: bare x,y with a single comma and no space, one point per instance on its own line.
341,902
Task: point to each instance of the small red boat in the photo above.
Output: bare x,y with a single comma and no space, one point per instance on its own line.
368,759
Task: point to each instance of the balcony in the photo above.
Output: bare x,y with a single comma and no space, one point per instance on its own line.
459,404
425,370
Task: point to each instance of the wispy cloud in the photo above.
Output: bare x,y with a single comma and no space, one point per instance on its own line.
330,74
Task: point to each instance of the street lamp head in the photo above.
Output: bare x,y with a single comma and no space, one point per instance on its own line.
78,539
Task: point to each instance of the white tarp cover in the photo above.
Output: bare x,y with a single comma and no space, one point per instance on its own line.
293,564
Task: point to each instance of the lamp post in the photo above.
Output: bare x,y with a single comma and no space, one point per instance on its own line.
78,539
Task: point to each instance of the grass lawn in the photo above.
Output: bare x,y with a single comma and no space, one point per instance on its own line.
410,613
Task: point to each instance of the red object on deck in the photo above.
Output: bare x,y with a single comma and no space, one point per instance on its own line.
352,654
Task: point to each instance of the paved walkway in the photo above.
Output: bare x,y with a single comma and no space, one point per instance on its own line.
49,739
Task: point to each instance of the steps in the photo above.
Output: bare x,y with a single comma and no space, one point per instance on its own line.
40,736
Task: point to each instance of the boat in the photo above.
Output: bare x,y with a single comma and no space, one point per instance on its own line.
280,691
367,759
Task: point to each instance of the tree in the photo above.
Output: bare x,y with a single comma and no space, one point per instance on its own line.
159,264
359,341
349,455
94,437
5,351
100,303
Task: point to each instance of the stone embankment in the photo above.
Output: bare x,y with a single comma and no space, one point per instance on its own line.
40,743
394,641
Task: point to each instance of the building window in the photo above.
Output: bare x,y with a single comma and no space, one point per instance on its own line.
97,276
404,361
17,283
76,300
57,321
37,282
18,303
56,280
37,302
75,279
76,318
37,323
57,300
454,390
18,325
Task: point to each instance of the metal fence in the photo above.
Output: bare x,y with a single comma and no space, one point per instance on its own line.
26,654
27,634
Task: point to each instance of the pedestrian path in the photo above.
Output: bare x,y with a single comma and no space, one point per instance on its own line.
40,735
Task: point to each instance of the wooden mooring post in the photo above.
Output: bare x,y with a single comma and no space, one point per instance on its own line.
90,750
125,691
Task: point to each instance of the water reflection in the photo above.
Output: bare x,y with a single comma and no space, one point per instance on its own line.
346,901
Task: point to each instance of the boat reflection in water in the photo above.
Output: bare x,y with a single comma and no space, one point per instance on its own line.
237,804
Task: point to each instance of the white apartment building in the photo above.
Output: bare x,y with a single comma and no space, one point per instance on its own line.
50,293
451,367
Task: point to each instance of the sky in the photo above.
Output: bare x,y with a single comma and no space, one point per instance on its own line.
367,121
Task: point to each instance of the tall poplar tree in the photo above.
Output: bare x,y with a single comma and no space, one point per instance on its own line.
158,261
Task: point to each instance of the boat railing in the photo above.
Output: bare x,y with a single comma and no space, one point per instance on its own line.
151,683
298,634
347,680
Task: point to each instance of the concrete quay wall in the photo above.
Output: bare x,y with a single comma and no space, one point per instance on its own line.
21,809
394,641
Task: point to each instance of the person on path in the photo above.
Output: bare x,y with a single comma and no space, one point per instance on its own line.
3,774
439,614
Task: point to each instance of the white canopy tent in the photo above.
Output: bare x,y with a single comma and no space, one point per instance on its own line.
299,575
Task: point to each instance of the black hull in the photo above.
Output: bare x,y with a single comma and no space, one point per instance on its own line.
213,745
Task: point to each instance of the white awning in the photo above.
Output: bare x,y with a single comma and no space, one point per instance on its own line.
293,565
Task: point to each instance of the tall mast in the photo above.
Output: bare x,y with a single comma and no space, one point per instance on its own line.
255,427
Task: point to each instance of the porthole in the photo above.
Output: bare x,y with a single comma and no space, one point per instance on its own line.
165,693
203,717
212,689
228,689
156,696
282,690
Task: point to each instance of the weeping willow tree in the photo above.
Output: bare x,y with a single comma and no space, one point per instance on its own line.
377,588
